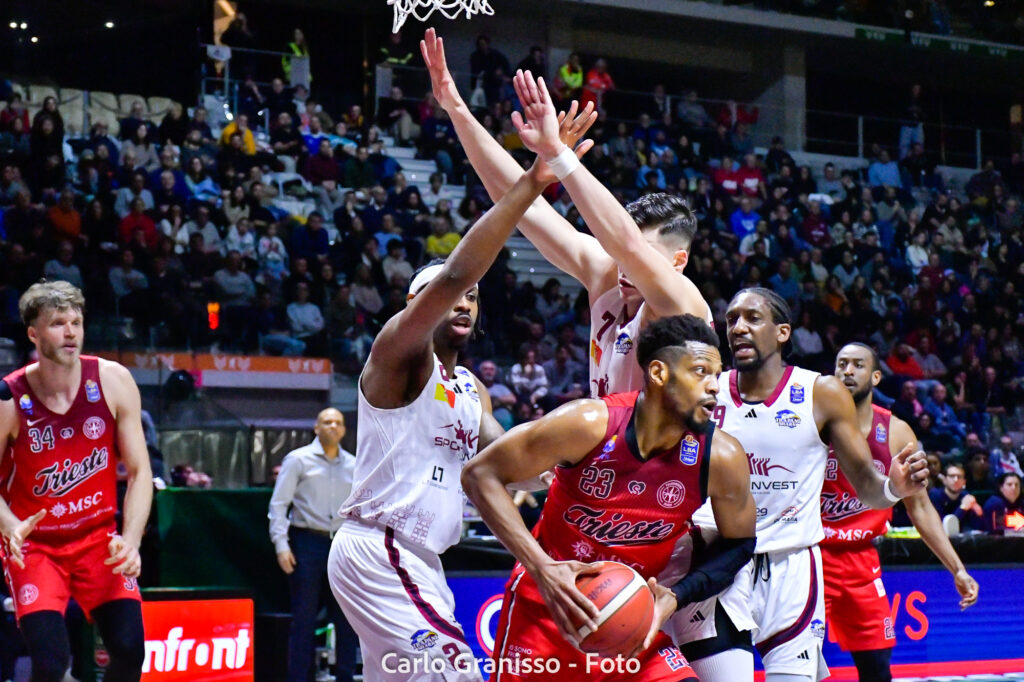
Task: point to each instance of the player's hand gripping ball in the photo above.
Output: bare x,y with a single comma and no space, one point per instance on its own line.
626,607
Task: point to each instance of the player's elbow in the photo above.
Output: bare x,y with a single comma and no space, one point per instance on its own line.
474,478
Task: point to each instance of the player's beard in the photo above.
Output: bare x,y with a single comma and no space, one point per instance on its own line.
696,426
751,364
861,394
54,353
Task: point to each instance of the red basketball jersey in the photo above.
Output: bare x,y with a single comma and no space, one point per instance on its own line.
63,463
845,517
615,506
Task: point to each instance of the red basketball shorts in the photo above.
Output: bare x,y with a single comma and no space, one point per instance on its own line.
859,616
529,648
52,575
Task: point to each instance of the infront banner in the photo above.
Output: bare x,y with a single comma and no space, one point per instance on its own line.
930,628
201,641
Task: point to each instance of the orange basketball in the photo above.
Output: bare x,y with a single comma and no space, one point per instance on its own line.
626,607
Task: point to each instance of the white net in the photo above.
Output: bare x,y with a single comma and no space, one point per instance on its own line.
422,9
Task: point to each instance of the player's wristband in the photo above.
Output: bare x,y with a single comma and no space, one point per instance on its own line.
564,164
887,491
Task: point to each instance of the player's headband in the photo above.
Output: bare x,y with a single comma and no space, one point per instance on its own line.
425,276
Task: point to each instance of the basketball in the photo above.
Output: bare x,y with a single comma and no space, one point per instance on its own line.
626,607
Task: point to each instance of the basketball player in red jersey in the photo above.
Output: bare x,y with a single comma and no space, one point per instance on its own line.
858,610
631,268
70,420
630,469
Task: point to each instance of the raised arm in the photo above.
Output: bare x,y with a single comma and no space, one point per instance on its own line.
665,290
574,253
405,342
836,416
924,517
564,436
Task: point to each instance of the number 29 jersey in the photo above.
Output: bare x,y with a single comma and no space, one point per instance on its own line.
786,457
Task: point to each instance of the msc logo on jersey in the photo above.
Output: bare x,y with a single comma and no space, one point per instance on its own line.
688,450
422,640
671,494
787,418
880,433
796,394
92,391
623,344
26,404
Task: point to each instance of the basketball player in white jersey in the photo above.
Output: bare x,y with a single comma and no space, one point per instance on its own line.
632,271
421,417
785,416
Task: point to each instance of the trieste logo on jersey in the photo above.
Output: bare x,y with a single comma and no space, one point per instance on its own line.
92,391
796,394
623,344
25,403
94,427
688,449
671,494
611,529
787,418
57,481
836,506
880,433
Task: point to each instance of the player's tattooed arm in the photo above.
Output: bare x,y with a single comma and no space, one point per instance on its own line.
571,251
924,517
564,436
836,417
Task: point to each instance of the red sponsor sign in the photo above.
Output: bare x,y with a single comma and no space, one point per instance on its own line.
199,641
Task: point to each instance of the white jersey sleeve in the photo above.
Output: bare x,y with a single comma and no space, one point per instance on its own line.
786,457
409,460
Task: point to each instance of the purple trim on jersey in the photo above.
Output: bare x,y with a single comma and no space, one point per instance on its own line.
802,622
424,607
734,387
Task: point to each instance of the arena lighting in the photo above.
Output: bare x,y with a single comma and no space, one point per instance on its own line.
109,24
990,3
35,39
13,24
24,26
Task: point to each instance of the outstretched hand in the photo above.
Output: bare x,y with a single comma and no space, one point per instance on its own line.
441,81
539,130
571,127
908,472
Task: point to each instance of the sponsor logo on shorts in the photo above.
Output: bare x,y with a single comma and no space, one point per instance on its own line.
131,584
92,391
94,427
671,494
688,449
422,640
880,433
818,628
890,631
623,344
27,594
796,394
787,418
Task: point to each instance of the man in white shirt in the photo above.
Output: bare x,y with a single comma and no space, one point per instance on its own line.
314,482
305,320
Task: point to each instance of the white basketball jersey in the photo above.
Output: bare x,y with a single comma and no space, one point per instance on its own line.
786,457
409,460
613,365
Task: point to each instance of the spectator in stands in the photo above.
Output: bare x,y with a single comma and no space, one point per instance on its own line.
438,141
201,186
503,400
489,68
129,286
980,480
364,292
65,221
240,238
384,167
528,379
395,52
49,110
744,219
359,171
201,224
1003,459
1004,511
815,227
310,241
320,168
297,47
273,332
306,322
167,194
397,270
15,109
272,254
569,81
138,221
237,206
946,423
136,119
287,143
567,379
912,125
442,240
597,83
236,294
174,126
953,500
239,125
398,118
16,142
199,123
62,267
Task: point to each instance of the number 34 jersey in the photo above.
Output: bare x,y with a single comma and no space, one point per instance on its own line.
786,457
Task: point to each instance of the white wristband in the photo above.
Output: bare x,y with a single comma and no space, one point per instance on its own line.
887,491
564,164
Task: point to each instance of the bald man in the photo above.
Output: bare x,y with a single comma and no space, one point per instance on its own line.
314,481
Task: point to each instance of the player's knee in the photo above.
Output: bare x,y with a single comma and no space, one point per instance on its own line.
127,648
49,666
873,666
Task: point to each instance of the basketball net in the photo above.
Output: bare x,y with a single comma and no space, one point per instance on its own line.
422,9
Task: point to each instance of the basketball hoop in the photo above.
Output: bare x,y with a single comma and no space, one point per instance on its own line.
422,9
